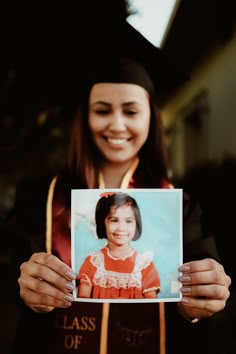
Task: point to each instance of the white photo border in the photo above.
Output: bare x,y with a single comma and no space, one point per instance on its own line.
162,215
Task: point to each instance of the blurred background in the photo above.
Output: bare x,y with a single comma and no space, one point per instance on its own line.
44,52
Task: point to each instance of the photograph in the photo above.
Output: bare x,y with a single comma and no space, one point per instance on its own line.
126,244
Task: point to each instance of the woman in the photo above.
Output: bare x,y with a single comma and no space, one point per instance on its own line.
116,142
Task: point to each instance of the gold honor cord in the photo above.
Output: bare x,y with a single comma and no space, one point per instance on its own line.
49,216
162,325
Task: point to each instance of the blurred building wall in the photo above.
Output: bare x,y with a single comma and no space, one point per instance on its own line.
200,120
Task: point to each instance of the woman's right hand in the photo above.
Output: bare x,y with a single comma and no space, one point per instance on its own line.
46,282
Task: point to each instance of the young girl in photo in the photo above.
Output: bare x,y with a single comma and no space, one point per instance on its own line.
118,270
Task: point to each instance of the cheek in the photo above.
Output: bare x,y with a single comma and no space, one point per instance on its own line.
109,228
92,125
131,229
146,123
95,124
134,230
142,127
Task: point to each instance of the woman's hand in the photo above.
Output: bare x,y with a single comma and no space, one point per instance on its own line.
205,288
46,282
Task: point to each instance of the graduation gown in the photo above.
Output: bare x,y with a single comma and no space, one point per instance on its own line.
153,328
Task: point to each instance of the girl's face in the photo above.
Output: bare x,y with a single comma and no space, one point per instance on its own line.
119,120
120,225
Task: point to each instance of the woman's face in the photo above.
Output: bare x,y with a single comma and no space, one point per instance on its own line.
120,225
119,120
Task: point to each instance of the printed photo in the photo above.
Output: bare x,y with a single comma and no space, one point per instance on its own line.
126,244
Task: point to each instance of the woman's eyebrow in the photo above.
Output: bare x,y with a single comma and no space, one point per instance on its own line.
130,103
100,102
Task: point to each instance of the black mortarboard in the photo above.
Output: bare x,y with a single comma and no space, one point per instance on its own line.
120,69
132,58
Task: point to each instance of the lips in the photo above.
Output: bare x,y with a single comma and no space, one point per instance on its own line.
120,236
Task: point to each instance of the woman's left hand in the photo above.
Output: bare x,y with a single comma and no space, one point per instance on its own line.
205,288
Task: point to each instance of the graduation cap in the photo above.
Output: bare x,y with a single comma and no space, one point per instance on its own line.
133,59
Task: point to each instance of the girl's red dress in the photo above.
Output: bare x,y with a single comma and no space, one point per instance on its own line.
111,277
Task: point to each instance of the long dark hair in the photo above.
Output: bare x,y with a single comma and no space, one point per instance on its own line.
84,158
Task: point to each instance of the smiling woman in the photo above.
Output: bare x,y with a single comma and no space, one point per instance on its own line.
94,151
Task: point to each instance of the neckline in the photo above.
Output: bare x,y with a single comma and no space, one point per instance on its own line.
116,258
126,179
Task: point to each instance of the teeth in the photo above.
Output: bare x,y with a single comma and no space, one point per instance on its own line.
116,141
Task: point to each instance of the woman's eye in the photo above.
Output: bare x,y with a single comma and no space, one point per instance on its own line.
102,112
130,113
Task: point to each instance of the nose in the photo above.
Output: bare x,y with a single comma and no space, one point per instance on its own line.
117,123
121,225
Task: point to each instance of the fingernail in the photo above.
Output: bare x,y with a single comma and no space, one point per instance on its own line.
70,275
69,297
184,268
185,300
184,278
70,286
185,289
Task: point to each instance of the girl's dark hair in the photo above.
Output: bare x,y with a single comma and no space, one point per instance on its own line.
117,200
84,158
